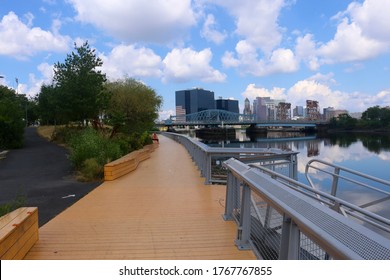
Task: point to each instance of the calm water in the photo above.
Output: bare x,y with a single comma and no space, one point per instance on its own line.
369,154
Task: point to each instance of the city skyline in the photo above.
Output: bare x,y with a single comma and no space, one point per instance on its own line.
336,51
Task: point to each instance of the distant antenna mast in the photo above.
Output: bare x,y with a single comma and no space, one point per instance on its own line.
17,85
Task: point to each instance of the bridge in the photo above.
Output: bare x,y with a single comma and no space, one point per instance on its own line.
222,117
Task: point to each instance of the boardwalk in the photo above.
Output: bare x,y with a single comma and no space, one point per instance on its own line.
160,211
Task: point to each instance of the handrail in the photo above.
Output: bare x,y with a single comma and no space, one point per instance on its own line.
203,155
304,220
334,202
336,176
341,168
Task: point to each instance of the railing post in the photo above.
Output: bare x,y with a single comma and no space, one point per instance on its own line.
229,200
335,181
244,229
290,243
208,168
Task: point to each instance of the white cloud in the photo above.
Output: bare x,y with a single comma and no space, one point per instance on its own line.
210,32
22,40
372,16
34,84
156,21
252,91
128,60
182,65
280,60
163,115
363,32
305,50
350,45
256,21
319,87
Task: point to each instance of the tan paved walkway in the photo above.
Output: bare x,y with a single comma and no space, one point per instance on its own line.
160,211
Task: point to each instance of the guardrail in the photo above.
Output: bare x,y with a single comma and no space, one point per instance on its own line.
350,176
279,220
209,159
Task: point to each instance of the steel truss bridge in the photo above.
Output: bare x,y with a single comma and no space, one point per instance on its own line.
222,117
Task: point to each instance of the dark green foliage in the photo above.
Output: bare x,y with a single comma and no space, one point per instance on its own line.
343,121
11,119
77,92
373,118
133,106
90,143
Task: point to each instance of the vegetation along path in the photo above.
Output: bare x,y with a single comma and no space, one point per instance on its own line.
40,173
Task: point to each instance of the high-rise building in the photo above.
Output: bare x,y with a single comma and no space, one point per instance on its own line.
298,111
267,109
194,100
312,110
283,111
247,107
227,105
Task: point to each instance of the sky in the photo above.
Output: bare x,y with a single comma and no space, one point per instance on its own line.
335,51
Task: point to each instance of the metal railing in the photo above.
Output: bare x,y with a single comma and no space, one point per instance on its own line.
336,176
280,218
210,159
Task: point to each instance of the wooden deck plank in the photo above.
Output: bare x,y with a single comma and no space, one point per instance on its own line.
162,210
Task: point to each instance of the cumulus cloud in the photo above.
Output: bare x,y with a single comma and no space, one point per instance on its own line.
256,21
319,87
349,44
132,61
182,65
363,32
22,40
247,61
210,32
156,21
252,91
372,16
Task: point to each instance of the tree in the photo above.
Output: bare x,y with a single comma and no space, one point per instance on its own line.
376,117
11,119
79,85
133,106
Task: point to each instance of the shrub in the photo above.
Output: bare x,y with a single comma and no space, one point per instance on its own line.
91,170
91,144
18,202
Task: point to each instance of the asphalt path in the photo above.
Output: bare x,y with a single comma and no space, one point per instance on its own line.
42,173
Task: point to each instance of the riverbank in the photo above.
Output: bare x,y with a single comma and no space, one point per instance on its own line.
360,130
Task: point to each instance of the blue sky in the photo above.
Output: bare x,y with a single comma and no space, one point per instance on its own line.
333,51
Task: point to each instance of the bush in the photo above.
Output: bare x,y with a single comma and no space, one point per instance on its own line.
19,201
91,144
91,170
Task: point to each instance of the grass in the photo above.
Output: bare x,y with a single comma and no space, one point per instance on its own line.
18,202
46,131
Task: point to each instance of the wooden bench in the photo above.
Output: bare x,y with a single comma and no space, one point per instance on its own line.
18,233
127,163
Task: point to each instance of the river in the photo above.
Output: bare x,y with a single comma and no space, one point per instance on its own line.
366,153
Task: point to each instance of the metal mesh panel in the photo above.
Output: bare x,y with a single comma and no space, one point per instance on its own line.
309,250
266,224
237,201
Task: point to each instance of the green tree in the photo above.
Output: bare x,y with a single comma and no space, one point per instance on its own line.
50,107
133,106
79,85
376,117
343,121
11,119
